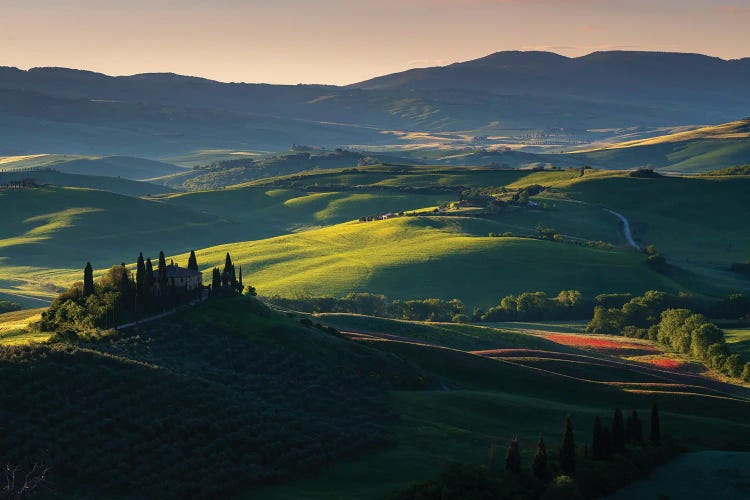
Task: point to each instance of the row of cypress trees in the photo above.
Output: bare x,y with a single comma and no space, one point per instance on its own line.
228,280
604,445
606,442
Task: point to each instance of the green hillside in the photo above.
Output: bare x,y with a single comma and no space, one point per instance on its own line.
417,257
695,222
138,412
693,151
112,184
108,166
54,229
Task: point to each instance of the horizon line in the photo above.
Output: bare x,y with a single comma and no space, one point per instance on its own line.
228,82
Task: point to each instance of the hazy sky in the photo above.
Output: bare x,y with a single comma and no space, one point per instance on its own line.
338,41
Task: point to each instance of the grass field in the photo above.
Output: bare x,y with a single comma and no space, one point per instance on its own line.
739,340
14,327
693,151
414,257
54,230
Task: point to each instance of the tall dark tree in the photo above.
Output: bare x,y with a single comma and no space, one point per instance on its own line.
140,277
568,450
215,280
513,458
88,280
618,432
148,281
192,261
597,445
239,279
233,278
539,467
162,275
655,425
226,273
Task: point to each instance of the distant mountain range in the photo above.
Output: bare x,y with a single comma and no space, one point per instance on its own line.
72,111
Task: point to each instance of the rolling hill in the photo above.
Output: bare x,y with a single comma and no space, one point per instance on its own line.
109,166
157,115
699,150
56,228
406,257
115,185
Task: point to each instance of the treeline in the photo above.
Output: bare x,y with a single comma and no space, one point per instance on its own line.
619,453
672,321
371,304
537,306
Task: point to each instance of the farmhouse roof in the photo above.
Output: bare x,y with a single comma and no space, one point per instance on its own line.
174,271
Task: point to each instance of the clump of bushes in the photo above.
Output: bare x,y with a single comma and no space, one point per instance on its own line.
645,173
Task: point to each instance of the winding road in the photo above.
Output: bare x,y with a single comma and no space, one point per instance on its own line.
626,229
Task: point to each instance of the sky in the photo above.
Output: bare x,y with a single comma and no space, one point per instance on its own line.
346,41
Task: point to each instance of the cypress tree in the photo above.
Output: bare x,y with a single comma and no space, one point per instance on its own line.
513,458
568,450
655,425
88,280
149,279
162,275
226,273
140,277
192,261
597,448
215,280
233,278
239,280
618,432
539,467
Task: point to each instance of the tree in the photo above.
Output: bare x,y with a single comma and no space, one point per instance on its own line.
513,458
618,432
215,280
88,280
635,429
149,279
568,450
226,274
539,467
733,365
192,261
140,277
162,275
655,425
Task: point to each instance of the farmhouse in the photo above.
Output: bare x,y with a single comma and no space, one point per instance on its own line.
183,278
